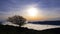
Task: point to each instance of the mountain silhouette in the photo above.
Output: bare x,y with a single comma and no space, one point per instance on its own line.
46,22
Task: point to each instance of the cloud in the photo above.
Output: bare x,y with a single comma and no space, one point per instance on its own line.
39,26
49,3
50,8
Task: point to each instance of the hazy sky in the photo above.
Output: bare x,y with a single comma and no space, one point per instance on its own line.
47,9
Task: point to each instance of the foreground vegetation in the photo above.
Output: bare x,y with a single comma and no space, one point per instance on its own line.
6,29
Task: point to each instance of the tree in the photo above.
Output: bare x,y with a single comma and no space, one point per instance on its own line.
17,20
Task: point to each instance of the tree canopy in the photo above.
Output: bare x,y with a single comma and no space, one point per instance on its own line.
19,20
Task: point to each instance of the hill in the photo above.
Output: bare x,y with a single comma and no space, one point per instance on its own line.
6,29
47,22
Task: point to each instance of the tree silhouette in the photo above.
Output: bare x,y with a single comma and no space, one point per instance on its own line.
19,20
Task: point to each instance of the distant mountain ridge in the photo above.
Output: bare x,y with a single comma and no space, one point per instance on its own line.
47,22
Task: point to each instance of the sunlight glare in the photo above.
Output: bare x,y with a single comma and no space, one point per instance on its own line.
32,12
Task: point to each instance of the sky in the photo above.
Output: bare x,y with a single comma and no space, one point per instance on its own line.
46,9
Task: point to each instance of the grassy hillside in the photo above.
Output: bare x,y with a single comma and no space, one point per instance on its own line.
5,29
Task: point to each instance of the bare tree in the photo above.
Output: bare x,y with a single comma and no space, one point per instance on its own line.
17,20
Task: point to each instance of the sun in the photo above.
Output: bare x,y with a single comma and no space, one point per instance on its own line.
32,12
